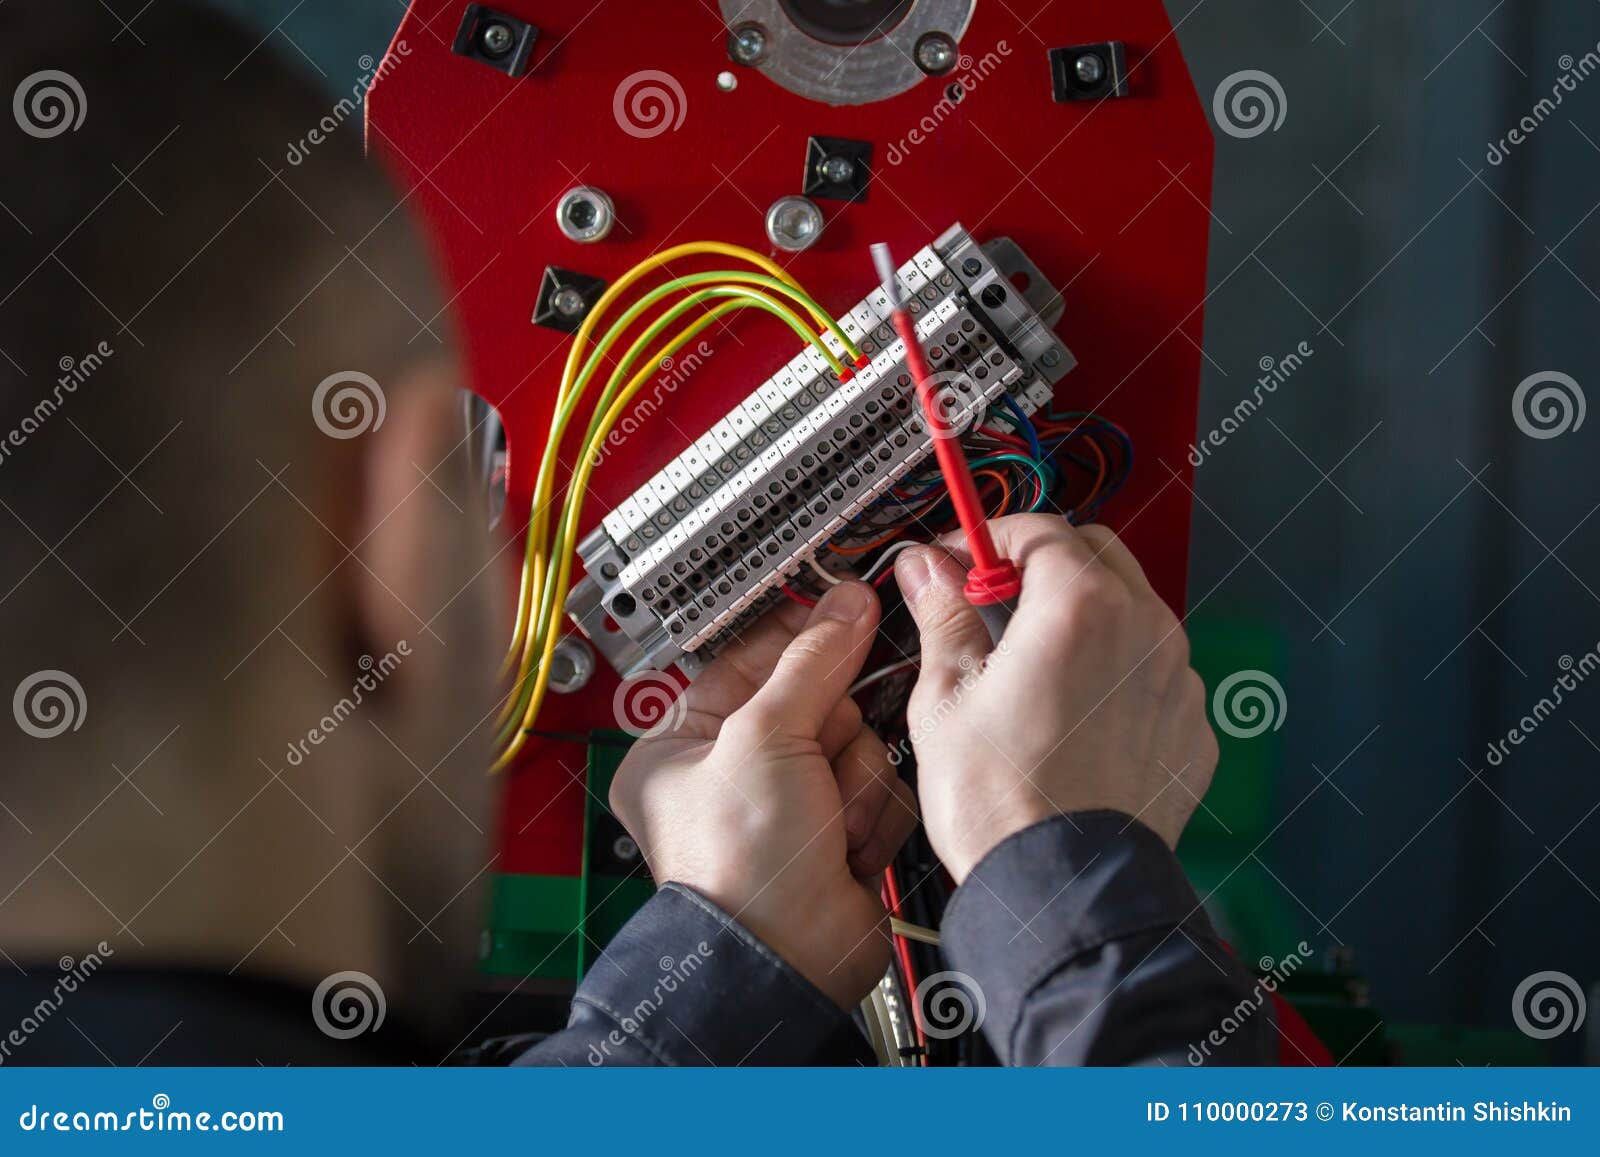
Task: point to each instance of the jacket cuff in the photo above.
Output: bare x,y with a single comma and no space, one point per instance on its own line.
1053,892
690,985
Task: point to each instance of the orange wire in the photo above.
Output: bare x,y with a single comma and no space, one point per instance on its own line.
1099,480
1005,488
863,549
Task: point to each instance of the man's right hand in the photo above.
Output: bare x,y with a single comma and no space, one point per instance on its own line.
1087,703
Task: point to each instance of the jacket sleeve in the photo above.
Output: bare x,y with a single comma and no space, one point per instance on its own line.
684,983
1089,947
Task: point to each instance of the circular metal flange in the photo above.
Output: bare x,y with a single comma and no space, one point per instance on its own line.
845,73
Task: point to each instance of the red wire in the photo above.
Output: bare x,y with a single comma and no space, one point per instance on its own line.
798,597
902,949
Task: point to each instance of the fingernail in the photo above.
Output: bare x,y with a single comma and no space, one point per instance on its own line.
845,602
911,573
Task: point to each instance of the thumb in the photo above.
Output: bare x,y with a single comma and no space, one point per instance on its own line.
954,639
820,663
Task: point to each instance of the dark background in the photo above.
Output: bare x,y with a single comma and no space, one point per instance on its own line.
1381,536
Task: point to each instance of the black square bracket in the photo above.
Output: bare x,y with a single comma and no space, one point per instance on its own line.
490,37
1088,71
837,169
565,299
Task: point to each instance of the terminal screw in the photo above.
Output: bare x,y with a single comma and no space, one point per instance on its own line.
1090,68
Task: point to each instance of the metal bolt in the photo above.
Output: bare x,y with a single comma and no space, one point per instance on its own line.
1051,359
625,849
1090,68
498,39
936,53
793,223
748,44
585,214
568,301
571,665
837,170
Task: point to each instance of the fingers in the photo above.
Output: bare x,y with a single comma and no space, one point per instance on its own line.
840,729
819,664
880,809
741,668
1109,549
1069,575
864,775
954,638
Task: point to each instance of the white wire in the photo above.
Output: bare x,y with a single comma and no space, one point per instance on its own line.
912,931
830,579
872,572
883,559
882,673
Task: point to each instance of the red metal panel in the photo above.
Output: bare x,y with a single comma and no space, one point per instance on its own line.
1108,198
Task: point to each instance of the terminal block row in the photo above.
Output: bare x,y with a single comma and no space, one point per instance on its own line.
689,558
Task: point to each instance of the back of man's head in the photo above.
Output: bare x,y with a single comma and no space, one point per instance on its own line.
238,616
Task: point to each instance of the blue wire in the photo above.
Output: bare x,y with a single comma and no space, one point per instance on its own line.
1024,425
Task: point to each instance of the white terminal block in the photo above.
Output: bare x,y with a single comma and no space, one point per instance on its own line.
707,540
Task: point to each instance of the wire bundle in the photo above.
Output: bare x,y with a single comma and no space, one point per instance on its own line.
702,298
1073,462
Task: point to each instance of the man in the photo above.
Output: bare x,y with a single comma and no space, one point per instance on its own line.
248,610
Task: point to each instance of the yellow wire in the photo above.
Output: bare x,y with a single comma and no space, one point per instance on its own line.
576,490
548,611
538,520
539,567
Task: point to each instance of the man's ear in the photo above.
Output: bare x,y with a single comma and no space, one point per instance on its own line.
419,523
